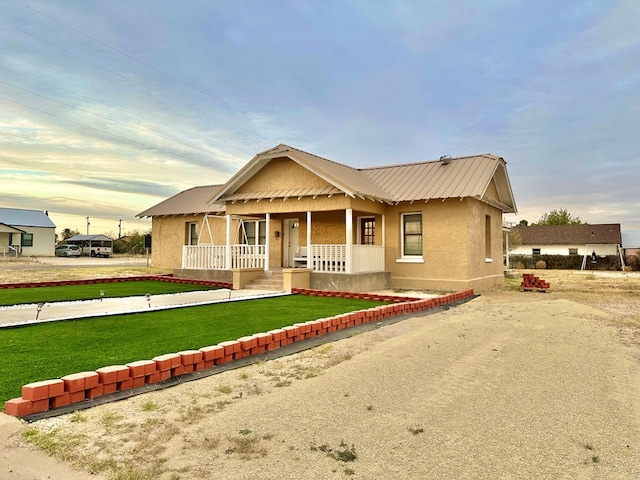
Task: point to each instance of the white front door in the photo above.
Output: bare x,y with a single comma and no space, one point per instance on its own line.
291,233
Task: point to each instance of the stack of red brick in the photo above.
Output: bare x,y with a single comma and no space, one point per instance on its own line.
532,283
41,396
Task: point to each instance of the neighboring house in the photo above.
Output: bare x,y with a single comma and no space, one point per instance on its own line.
429,225
26,232
583,239
631,242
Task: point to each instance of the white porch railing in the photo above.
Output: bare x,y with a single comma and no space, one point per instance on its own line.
333,258
213,257
367,258
247,256
327,258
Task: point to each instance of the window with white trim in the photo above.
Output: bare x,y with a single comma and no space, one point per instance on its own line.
411,235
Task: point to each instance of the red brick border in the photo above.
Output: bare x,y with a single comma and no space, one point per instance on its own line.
42,396
137,278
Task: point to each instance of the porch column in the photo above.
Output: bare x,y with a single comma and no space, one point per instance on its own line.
309,252
384,241
268,242
349,243
227,251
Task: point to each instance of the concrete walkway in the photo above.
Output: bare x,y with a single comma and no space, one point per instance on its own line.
17,315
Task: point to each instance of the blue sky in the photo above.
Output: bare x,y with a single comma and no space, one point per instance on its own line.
107,108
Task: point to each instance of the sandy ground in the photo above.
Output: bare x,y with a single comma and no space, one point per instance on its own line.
509,385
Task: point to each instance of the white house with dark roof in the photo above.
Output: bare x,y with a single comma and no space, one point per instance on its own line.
604,239
26,232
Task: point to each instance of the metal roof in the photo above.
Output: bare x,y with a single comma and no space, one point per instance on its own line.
583,234
631,239
453,178
347,179
86,238
447,178
17,217
191,201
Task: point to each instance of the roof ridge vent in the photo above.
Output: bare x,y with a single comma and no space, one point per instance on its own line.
445,159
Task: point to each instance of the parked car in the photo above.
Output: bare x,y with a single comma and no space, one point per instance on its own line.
68,251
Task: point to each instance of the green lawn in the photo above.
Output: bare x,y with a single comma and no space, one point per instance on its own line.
15,296
52,350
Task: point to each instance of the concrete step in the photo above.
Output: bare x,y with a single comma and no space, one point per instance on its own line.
271,280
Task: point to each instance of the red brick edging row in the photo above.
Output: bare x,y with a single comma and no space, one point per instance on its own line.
41,396
137,278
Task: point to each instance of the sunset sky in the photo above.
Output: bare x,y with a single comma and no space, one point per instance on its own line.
107,108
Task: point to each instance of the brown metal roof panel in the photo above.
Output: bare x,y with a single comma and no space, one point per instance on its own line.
191,201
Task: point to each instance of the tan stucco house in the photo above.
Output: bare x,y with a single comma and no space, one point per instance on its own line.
428,225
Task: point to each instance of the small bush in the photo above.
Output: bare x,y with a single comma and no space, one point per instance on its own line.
566,262
541,265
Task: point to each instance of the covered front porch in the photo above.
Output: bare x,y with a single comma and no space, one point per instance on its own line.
363,249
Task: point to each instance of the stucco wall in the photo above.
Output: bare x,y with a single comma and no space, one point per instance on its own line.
282,174
453,246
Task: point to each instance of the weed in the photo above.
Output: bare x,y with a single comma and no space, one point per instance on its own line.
283,383
588,446
224,389
149,406
344,453
349,471
416,430
246,446
244,431
110,420
369,407
595,459
78,417
244,376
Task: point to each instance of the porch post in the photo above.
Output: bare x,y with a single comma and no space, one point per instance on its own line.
384,241
268,241
349,240
309,252
227,251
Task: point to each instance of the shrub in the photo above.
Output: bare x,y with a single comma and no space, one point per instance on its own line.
566,262
541,265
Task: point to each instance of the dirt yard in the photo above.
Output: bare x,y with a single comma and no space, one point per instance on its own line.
509,385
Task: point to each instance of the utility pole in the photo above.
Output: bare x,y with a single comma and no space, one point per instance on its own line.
88,223
120,228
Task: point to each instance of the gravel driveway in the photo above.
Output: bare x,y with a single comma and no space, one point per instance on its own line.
509,386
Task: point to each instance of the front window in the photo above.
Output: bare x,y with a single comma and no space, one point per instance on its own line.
412,235
193,233
27,240
535,251
367,231
255,233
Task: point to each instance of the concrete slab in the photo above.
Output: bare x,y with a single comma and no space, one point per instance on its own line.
18,315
